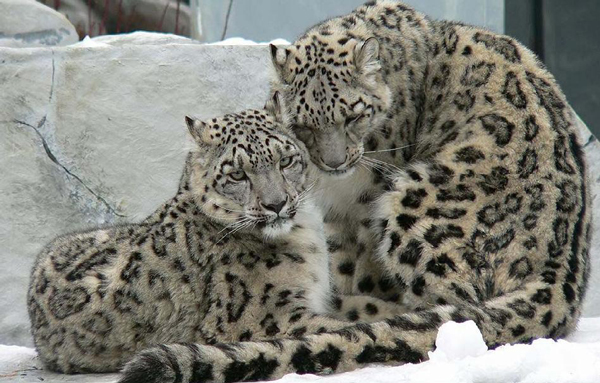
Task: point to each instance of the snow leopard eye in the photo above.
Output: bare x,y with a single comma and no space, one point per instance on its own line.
237,175
285,162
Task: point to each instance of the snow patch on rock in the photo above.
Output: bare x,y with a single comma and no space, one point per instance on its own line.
143,38
243,41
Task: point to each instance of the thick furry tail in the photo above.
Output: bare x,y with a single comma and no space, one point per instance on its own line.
529,313
168,363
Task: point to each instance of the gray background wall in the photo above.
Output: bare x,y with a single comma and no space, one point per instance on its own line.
265,20
566,36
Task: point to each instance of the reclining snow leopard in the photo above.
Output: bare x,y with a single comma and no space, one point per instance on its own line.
238,254
488,220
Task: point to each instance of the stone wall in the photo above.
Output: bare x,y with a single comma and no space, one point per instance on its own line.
94,134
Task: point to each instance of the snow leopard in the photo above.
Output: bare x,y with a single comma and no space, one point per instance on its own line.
238,254
476,193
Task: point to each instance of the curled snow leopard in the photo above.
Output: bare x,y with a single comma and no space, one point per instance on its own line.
487,220
237,254
487,148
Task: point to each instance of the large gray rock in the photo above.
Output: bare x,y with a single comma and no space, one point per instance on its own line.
94,133
27,23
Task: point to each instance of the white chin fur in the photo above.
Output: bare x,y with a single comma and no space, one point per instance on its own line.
273,231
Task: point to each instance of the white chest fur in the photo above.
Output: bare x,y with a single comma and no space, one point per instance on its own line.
337,194
309,240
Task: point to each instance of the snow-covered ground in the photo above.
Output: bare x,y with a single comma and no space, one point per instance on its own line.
460,357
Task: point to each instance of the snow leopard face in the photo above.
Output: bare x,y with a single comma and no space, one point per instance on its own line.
334,96
249,172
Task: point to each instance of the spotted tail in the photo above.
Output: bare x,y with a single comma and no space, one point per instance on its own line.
516,317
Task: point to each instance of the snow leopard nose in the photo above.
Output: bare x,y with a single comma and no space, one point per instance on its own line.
275,207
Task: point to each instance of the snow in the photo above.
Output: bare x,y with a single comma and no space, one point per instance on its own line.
460,357
155,38
243,41
88,42
143,38
10,355
456,341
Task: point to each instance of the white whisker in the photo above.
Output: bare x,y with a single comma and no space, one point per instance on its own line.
380,164
239,222
374,165
364,166
234,231
391,150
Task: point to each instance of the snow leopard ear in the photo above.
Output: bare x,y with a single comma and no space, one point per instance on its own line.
280,58
198,130
274,107
366,59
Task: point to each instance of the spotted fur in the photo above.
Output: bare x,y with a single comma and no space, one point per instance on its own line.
486,219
